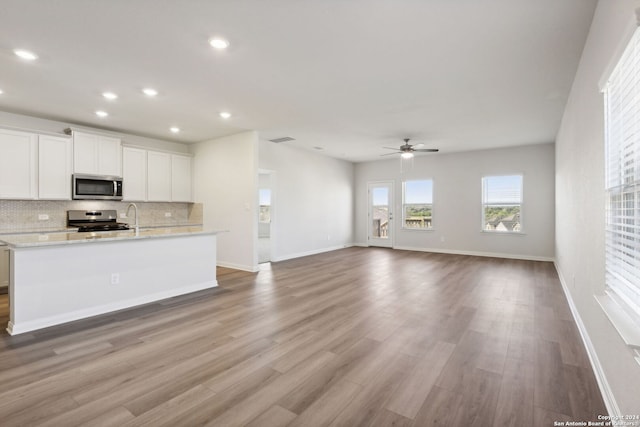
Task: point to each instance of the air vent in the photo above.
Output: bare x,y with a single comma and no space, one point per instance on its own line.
283,139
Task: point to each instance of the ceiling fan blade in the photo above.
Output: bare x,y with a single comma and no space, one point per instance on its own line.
417,145
426,150
391,154
390,148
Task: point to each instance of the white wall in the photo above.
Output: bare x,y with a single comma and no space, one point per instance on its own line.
225,181
36,124
312,201
457,199
580,198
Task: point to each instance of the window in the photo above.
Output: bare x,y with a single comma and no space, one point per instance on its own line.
622,177
502,203
417,204
265,205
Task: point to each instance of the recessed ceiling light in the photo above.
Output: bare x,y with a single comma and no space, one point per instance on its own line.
225,115
174,129
25,54
149,91
101,113
218,43
110,95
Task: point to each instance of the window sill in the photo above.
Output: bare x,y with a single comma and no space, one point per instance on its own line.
624,322
417,229
504,233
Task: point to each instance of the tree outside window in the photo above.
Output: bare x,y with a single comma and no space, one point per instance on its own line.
502,203
417,205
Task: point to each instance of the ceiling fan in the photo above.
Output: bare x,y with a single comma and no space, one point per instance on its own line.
406,150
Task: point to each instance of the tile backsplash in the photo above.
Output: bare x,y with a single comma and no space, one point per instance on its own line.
23,215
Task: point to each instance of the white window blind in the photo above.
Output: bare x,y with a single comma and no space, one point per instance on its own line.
622,177
502,203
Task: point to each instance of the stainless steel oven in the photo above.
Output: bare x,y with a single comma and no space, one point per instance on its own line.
96,187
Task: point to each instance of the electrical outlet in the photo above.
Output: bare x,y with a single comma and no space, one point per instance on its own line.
328,237
123,215
115,278
167,214
43,217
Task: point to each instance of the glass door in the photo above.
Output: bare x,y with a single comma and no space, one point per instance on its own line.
380,231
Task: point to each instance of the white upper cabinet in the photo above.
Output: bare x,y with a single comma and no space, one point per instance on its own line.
158,176
180,178
18,165
54,167
134,174
155,176
97,154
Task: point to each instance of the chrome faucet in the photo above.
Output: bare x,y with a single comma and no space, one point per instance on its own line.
135,208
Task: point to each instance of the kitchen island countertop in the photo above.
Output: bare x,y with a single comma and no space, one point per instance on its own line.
27,240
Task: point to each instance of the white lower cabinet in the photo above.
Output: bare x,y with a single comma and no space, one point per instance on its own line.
54,167
18,165
4,269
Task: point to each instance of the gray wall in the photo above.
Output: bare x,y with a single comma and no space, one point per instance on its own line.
312,200
580,200
225,176
457,201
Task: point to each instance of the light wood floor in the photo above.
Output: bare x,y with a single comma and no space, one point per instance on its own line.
360,336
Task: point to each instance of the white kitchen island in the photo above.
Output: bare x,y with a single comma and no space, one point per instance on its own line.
61,277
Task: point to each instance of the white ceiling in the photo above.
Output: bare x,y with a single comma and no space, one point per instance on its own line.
350,76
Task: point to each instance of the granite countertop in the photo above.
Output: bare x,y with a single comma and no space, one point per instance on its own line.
27,240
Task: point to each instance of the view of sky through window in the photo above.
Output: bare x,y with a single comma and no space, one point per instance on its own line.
418,192
503,189
380,196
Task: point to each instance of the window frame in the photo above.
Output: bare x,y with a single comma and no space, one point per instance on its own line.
621,307
484,204
404,212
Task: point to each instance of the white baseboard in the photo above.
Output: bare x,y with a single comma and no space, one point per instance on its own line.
313,252
249,268
603,384
32,325
474,253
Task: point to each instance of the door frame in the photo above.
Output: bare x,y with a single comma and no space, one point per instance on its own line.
272,212
373,241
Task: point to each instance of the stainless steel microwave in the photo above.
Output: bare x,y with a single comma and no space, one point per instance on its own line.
96,187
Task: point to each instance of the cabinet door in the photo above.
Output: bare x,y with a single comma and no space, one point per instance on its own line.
18,165
85,153
54,167
158,176
96,154
134,174
4,267
180,178
109,156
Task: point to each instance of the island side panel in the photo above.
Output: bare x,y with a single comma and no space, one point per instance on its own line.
51,285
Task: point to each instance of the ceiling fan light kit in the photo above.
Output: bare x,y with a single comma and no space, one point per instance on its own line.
406,155
407,151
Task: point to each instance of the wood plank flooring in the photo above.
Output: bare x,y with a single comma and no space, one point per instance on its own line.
355,337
